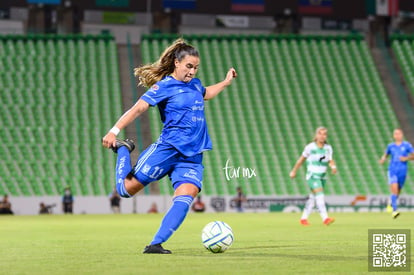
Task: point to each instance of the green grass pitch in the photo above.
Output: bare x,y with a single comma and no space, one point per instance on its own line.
271,243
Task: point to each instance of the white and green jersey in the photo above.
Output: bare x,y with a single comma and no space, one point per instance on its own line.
317,160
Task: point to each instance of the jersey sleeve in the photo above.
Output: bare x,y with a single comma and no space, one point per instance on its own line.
330,152
155,95
306,151
388,150
197,84
410,148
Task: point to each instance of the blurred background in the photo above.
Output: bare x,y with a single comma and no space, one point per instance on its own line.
66,77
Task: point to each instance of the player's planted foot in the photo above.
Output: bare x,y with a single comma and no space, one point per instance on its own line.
389,208
304,222
156,249
328,221
128,143
395,214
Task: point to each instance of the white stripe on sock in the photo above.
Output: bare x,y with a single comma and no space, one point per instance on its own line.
185,199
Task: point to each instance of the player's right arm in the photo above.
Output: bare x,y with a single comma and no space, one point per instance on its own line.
129,116
383,159
298,164
300,161
385,155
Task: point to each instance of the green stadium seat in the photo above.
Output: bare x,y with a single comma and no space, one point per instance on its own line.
287,87
58,93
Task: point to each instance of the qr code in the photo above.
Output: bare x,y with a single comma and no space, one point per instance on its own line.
390,249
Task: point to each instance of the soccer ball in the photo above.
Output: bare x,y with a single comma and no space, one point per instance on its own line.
217,236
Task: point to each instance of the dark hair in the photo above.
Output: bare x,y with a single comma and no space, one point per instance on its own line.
184,50
149,74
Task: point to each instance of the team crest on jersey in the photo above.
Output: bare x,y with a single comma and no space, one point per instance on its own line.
155,87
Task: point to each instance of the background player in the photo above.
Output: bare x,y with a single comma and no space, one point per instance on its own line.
178,152
318,155
400,151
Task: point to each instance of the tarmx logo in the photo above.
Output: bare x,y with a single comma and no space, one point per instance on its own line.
237,172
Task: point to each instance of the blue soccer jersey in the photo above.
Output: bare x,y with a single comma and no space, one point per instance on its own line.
181,107
397,151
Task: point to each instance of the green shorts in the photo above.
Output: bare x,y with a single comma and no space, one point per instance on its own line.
316,183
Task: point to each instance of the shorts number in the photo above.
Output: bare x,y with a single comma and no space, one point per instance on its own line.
157,172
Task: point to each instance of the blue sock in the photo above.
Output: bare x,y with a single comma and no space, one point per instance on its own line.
394,202
123,168
173,219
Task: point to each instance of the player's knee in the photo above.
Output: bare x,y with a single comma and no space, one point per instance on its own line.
142,178
318,191
186,188
319,194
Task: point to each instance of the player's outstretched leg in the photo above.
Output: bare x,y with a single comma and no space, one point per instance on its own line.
310,204
123,164
128,143
172,220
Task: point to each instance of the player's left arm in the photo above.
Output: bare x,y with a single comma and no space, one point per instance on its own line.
214,90
332,165
407,158
410,154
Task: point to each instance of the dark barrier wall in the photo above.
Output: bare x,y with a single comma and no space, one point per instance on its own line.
343,9
407,5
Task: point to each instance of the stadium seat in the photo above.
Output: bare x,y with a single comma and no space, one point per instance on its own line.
402,47
287,87
60,95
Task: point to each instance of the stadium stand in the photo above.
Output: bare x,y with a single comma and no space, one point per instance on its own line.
402,46
59,94
288,86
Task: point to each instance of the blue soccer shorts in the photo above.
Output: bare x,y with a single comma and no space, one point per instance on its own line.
397,177
161,159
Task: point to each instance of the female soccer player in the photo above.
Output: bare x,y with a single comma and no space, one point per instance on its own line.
401,151
318,155
178,152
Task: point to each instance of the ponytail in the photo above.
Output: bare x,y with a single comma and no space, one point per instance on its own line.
150,74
